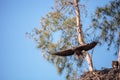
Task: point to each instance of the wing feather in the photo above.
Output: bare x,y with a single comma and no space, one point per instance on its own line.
71,51
86,47
67,52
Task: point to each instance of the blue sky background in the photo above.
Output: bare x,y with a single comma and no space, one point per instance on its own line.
19,57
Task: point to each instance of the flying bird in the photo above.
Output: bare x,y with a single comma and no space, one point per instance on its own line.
76,50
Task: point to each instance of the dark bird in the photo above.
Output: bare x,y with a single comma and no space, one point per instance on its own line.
77,50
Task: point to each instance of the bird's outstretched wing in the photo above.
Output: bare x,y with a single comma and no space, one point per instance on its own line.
71,51
67,52
86,47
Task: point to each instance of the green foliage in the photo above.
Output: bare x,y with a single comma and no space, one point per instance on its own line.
107,24
58,32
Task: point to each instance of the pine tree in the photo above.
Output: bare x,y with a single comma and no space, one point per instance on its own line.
62,29
107,22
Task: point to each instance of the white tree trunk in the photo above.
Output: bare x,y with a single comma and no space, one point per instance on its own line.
80,34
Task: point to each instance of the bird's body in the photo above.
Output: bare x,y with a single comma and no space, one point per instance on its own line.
77,50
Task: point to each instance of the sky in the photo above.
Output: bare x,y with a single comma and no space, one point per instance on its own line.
19,57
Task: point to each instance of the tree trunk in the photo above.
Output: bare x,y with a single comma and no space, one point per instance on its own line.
80,34
119,59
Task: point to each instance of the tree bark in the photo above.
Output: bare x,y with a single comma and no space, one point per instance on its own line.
80,35
119,59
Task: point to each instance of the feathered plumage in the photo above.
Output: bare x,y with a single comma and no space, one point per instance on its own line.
78,50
